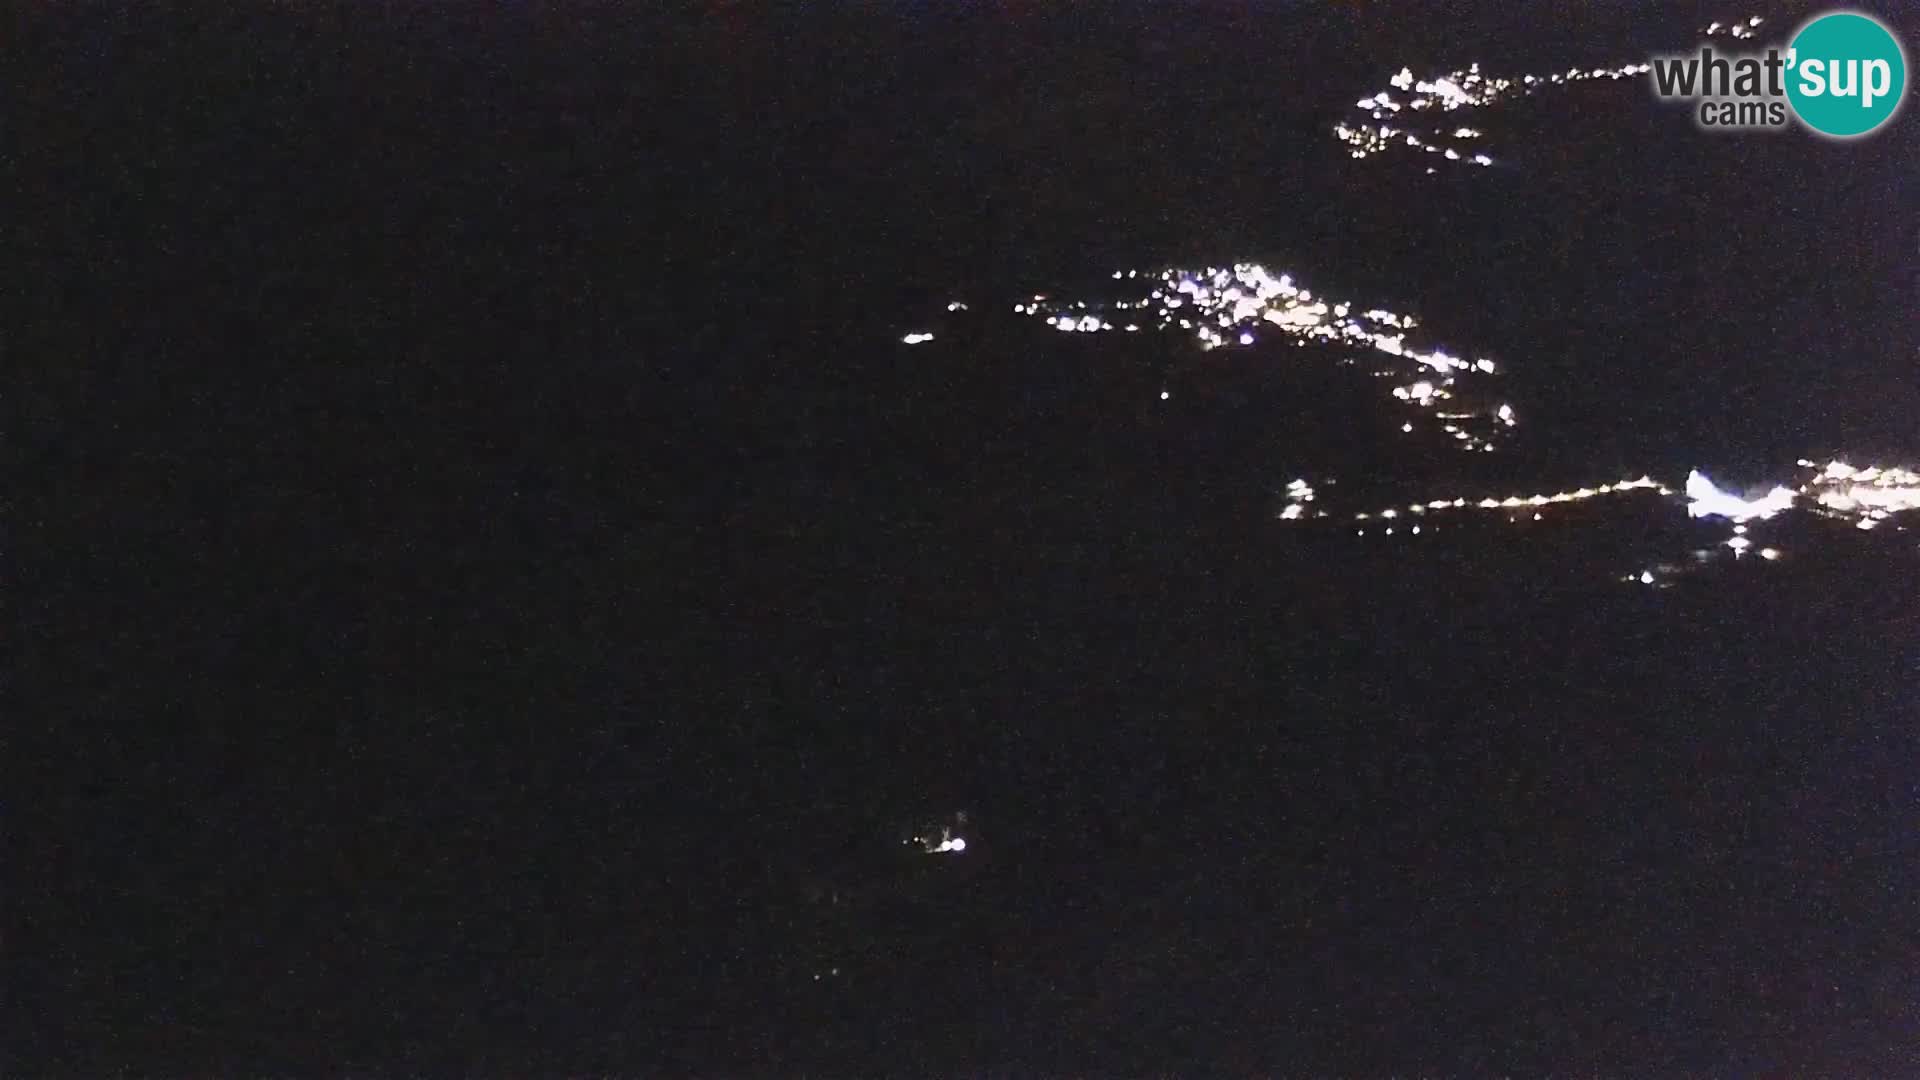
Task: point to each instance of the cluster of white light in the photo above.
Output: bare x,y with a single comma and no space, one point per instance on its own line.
1866,496
1234,306
1369,139
1385,122
1738,30
1706,500
1518,502
948,843
1421,393
1299,494
1085,324
1703,501
1226,305
917,338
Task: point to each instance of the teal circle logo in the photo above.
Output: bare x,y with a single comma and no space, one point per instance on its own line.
1846,74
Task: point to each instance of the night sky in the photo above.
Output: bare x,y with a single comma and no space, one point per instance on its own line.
498,596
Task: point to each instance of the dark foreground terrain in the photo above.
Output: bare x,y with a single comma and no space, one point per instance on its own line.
529,596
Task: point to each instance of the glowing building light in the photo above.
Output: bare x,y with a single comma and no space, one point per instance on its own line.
1705,500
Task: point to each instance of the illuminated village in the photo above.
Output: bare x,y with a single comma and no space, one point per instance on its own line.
1246,306
1422,116
1239,306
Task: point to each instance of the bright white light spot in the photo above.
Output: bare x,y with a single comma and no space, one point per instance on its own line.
1769,554
915,339
1646,577
1164,395
1709,501
1406,427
